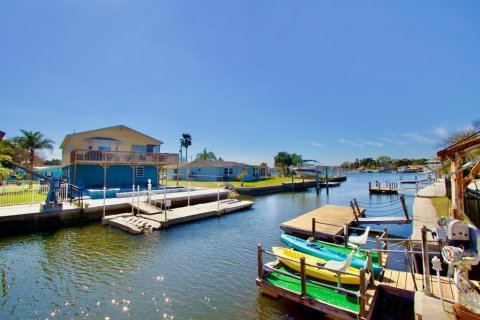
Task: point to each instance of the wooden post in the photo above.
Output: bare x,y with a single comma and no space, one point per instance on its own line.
260,261
317,182
358,208
313,227
410,266
457,186
303,276
385,230
426,263
326,178
362,296
404,206
354,213
292,181
371,279
379,247
345,235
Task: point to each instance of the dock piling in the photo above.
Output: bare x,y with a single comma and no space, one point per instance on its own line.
260,261
303,276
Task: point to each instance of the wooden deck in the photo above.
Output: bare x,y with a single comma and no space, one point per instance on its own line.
383,190
332,219
403,280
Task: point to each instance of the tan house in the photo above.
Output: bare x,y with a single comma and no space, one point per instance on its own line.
115,156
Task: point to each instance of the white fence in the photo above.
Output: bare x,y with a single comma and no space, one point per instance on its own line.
28,192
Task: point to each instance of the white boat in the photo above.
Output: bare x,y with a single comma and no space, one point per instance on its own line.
308,169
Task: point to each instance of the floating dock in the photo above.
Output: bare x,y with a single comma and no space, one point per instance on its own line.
333,219
137,224
346,302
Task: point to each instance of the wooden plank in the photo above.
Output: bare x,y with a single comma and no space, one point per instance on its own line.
402,280
332,219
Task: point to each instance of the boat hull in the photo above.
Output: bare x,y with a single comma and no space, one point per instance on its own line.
285,255
316,249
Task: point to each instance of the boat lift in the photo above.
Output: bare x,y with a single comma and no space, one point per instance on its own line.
51,203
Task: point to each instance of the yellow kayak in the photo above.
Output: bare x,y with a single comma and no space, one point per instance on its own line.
286,256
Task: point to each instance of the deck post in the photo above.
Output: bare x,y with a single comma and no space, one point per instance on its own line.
260,261
303,276
371,279
138,199
385,246
357,207
354,213
379,248
426,263
326,178
345,235
362,296
410,266
313,227
404,206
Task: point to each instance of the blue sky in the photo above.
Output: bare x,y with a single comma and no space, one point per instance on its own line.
330,80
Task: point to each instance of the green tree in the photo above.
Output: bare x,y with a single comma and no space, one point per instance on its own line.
282,161
383,160
206,155
460,135
186,142
5,154
296,159
33,141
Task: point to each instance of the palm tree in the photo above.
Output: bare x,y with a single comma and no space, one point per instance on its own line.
5,152
32,141
206,155
186,142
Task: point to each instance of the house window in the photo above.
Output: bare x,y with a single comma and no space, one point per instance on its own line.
103,146
139,148
228,171
140,172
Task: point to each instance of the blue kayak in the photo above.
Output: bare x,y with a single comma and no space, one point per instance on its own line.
318,250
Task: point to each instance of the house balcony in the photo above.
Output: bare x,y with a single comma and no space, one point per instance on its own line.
122,157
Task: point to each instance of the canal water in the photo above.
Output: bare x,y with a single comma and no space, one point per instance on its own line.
200,270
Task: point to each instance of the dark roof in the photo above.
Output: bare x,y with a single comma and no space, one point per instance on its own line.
102,138
213,164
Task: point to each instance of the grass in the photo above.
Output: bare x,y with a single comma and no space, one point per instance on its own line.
442,206
248,184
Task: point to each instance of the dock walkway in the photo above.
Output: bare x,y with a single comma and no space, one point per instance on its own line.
332,219
163,219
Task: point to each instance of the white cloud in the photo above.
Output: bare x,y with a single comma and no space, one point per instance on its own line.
361,143
396,142
415,137
316,144
441,132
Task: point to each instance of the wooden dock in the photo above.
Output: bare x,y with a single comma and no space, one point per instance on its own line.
332,219
137,224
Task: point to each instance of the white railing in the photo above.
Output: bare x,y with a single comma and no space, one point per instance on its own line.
28,192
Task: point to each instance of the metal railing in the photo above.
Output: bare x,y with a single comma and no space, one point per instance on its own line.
28,192
95,156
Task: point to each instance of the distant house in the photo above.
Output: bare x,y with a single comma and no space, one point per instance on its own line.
116,156
207,170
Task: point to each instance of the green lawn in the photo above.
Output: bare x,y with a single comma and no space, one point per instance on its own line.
442,206
260,183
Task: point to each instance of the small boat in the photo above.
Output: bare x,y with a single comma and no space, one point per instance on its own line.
308,169
328,252
286,256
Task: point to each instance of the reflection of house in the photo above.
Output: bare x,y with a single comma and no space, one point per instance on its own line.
206,170
118,155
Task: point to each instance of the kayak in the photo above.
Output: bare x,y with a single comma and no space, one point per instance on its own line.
317,249
286,256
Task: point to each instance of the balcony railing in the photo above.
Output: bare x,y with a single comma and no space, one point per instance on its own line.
96,156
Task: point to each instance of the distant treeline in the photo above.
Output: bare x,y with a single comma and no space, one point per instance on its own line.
381,162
